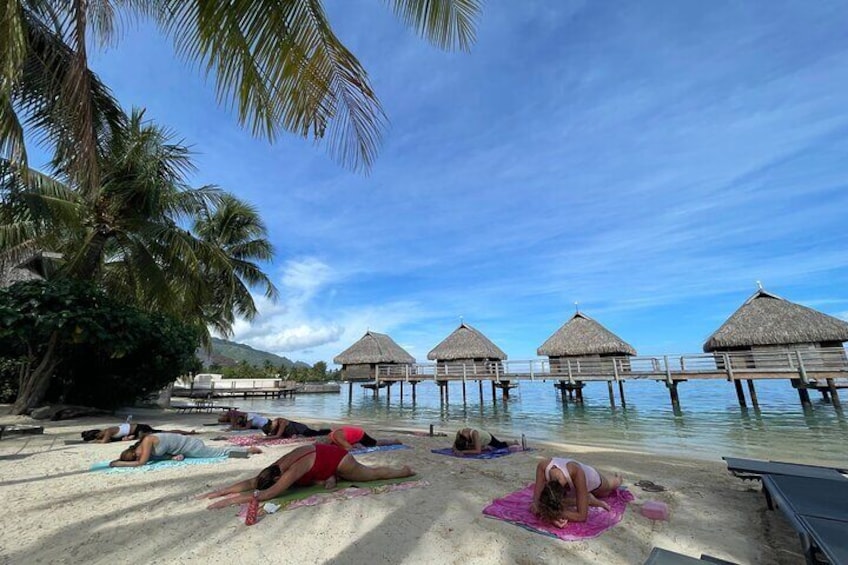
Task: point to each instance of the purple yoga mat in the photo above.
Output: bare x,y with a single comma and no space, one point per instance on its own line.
515,508
488,454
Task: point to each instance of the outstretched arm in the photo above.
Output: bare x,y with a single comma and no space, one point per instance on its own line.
476,448
287,479
281,424
145,450
338,437
241,486
539,486
581,495
107,435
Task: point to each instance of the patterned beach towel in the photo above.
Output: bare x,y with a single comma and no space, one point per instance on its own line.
345,490
515,508
260,439
103,466
488,454
361,450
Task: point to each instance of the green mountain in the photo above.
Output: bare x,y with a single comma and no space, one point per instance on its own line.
230,353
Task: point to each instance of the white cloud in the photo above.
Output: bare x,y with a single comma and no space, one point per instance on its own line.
304,336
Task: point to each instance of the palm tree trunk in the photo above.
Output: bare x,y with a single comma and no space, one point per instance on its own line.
88,267
35,382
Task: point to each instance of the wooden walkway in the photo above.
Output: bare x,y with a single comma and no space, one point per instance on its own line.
825,370
265,392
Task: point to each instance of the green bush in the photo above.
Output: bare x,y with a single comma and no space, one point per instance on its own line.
109,353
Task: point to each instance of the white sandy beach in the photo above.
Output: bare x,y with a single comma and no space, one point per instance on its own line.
59,512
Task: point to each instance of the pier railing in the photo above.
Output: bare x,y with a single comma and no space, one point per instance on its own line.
802,364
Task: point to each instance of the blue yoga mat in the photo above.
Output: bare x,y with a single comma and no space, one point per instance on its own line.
490,454
395,447
103,466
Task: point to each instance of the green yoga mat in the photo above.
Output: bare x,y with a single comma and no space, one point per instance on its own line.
300,493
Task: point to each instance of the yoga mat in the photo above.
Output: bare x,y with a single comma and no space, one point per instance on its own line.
515,509
103,466
314,495
259,439
361,450
489,454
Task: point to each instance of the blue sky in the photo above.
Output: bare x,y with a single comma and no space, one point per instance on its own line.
649,160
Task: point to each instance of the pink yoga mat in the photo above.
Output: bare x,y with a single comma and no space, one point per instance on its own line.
515,508
258,439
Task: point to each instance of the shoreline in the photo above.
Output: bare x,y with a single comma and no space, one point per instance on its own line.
153,516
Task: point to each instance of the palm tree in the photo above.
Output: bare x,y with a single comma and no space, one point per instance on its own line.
234,230
131,232
277,62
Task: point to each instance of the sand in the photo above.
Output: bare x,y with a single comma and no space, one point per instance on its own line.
59,512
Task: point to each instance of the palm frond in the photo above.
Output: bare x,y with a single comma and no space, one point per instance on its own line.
47,107
448,24
283,69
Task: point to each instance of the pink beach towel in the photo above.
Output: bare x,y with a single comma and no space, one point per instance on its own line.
259,439
515,508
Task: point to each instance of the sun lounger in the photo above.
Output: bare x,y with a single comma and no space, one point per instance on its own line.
755,468
817,509
22,429
201,407
828,536
660,556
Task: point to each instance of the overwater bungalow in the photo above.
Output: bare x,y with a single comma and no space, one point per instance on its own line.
768,326
359,361
467,352
582,337
580,345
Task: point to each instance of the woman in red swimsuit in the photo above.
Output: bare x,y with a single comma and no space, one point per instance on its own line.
349,437
307,465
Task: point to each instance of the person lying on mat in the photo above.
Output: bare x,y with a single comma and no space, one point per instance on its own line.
565,489
171,446
125,432
249,421
472,442
282,428
349,437
304,466
230,416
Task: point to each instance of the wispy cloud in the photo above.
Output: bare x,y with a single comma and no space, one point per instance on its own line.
650,168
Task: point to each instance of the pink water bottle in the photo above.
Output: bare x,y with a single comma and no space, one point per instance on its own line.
655,510
252,509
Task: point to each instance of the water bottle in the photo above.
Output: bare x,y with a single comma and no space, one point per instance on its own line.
655,510
252,509
129,419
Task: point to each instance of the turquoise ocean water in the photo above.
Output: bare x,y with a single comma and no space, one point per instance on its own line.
711,423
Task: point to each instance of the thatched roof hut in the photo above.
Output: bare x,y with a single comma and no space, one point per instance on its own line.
466,344
581,336
26,266
768,321
360,360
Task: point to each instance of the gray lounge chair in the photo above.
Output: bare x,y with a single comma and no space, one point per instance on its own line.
660,556
817,509
755,468
828,536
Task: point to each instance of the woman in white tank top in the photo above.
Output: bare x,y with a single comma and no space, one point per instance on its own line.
565,489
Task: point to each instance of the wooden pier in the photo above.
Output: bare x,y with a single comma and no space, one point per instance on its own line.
235,392
824,370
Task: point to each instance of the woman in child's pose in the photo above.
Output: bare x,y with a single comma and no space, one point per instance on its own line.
171,446
350,437
306,465
469,441
126,432
565,489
